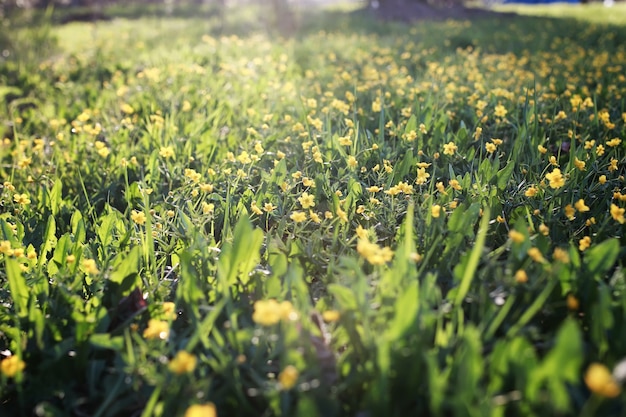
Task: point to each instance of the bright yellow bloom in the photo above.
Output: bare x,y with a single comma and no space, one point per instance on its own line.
435,210
89,265
5,248
556,178
298,216
138,217
306,200
449,148
613,142
21,199
602,179
500,111
12,366
269,207
579,164
422,176
584,243
569,212
535,255
561,255
542,149
531,191
581,206
157,329
600,381
572,302
613,165
315,218
516,236
288,377
331,316
617,213
201,410
373,253
521,277
455,185
255,209
270,312
543,229
183,362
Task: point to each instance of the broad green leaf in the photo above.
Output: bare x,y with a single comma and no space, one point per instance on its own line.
599,259
126,268
406,309
17,286
49,241
344,296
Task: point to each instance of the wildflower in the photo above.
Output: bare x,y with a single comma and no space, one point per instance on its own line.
352,162
521,277
531,191
5,248
207,208
90,267
157,329
269,207
500,111
516,236
315,218
306,200
556,178
589,144
613,142
169,310
581,206
331,316
600,381
298,216
435,210
572,302
602,179
183,363
449,148
21,199
613,165
422,176
288,377
373,253
561,255
441,188
361,232
201,410
617,213
569,212
600,150
373,189
584,243
255,209
12,366
127,108
535,255
343,216
579,164
270,312
138,217
25,162
455,185
490,147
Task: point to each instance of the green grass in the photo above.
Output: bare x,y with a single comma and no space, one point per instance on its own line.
593,12
360,218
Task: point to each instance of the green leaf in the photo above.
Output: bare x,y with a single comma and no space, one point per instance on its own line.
17,286
344,296
599,259
49,241
241,256
126,269
406,308
105,341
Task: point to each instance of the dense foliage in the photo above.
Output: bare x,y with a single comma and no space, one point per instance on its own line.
200,218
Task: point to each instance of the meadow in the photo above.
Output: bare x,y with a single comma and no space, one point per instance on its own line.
205,217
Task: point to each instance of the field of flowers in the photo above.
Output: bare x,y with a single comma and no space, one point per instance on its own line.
203,218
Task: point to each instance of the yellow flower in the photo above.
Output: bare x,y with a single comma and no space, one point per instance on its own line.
298,216
455,185
449,148
613,165
535,255
579,164
306,200
270,312
543,229
531,191
569,212
500,111
269,207
315,218
201,410
521,277
343,216
21,199
516,236
373,253
183,363
5,248
561,255
89,265
422,176
556,178
584,243
331,316
157,329
169,310
613,142
435,210
600,381
490,147
361,232
373,189
255,209
572,302
12,366
288,377
617,213
602,179
352,162
581,206
127,108
138,217
542,149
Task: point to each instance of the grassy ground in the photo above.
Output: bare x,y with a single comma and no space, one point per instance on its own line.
205,217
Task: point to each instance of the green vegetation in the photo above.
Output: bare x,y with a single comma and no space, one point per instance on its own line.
202,217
